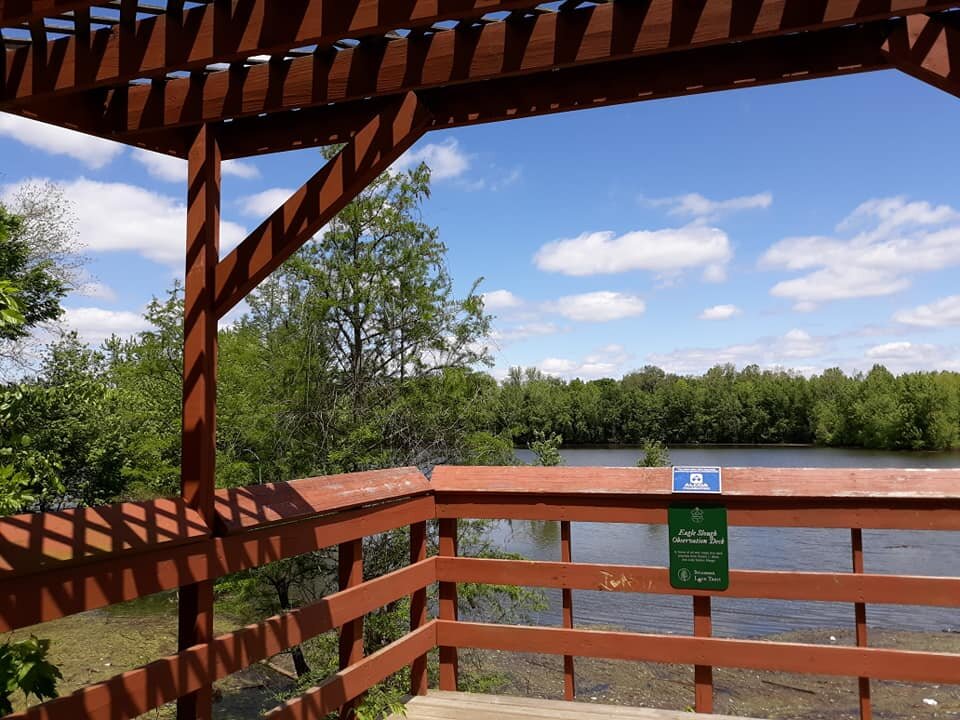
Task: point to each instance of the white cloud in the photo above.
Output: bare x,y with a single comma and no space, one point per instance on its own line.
446,160
97,290
894,240
92,151
781,351
608,361
697,206
113,217
602,306
173,169
263,204
667,252
720,312
940,313
94,325
524,331
501,300
240,169
907,356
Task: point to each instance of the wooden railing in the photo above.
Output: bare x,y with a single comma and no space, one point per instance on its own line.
56,564
811,498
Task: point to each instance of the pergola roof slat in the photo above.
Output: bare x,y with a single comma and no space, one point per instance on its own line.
774,60
543,42
207,35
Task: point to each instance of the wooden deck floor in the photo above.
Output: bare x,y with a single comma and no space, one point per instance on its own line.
438,705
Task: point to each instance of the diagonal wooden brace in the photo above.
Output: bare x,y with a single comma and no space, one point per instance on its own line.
371,151
928,48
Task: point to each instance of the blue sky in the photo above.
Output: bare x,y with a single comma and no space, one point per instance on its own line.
806,225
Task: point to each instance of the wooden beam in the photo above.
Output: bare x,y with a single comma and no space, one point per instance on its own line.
928,48
882,664
138,691
17,12
762,62
218,33
198,455
375,147
348,684
539,43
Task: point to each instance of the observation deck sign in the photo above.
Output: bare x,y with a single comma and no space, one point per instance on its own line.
699,553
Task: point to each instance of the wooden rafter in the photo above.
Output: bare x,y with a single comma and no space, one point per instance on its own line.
374,148
773,60
533,44
17,12
208,34
929,49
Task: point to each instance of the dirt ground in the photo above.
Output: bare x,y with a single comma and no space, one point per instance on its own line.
94,646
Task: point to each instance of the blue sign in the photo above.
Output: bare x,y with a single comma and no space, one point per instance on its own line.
700,480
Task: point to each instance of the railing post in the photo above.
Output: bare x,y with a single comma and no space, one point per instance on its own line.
702,674
418,608
566,555
199,408
350,570
448,605
856,541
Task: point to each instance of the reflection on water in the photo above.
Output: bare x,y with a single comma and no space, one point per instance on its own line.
900,552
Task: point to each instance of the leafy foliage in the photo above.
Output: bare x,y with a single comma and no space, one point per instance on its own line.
547,449
33,281
913,411
655,454
24,667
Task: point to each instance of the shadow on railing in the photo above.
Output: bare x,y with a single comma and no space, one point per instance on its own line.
56,564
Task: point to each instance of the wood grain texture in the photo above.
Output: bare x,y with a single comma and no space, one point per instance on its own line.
928,48
207,34
440,705
768,584
906,665
138,691
67,590
532,44
385,136
888,514
794,58
352,682
255,506
801,483
38,542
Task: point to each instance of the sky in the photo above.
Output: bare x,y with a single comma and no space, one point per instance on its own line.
806,226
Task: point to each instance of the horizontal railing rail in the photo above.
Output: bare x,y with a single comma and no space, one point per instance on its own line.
763,497
57,564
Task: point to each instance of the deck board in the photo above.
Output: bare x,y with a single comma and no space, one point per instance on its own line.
439,705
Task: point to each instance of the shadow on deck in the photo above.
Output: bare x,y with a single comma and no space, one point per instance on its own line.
439,705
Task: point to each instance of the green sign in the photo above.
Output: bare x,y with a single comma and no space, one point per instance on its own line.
699,559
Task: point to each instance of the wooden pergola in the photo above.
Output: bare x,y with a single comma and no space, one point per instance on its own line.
220,79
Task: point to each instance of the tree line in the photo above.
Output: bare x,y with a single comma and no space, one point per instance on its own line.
877,409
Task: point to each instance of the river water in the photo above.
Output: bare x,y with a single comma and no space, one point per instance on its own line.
901,552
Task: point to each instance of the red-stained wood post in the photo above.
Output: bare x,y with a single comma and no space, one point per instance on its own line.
198,459
350,567
448,605
418,607
566,555
702,674
860,609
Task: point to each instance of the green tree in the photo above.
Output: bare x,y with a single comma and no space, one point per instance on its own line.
547,449
30,278
655,454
